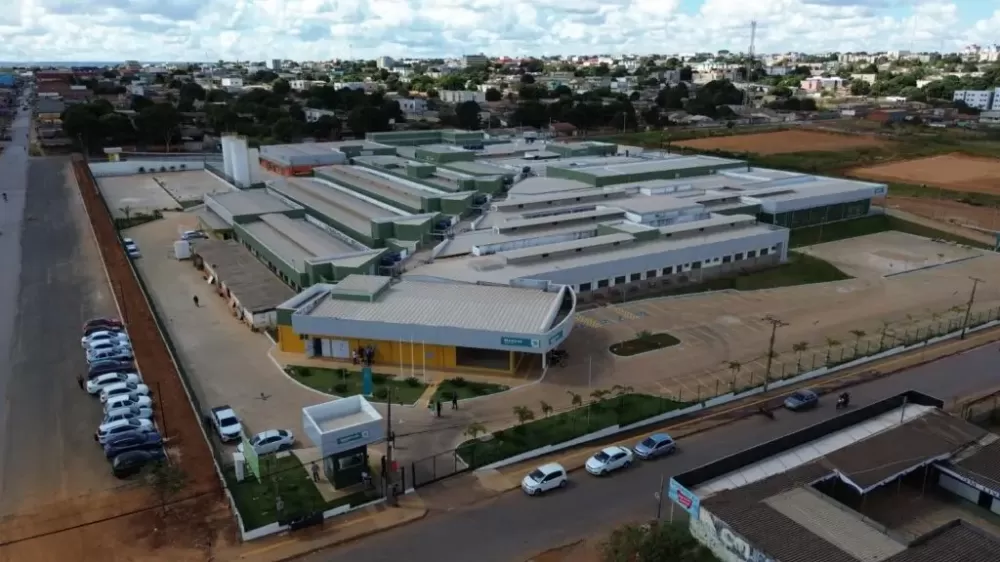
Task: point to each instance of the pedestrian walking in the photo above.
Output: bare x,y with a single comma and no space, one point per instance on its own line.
437,405
383,468
315,471
366,479
454,400
195,299
79,381
354,357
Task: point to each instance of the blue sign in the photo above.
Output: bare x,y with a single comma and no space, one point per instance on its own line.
684,498
366,381
555,337
519,342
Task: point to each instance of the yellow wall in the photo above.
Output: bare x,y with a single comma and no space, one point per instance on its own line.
389,353
289,341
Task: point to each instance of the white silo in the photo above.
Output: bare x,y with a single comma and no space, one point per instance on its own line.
256,173
227,154
241,162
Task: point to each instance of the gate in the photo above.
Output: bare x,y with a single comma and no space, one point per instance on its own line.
437,467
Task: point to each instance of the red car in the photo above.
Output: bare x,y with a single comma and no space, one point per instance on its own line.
103,324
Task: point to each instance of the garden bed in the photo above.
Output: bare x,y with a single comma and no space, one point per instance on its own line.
561,427
285,476
343,382
644,343
465,389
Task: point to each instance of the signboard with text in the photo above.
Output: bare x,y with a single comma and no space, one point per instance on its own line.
684,498
519,342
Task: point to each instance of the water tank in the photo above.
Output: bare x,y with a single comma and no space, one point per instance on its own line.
182,249
227,154
241,162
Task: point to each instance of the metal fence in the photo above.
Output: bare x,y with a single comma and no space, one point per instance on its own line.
437,467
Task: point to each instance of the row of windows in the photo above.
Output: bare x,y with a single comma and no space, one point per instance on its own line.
273,269
674,270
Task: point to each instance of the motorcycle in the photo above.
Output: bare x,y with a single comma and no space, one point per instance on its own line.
843,402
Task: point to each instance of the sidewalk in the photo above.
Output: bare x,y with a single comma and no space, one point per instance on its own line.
333,532
509,477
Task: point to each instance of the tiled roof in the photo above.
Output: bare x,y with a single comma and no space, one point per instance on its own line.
982,466
957,542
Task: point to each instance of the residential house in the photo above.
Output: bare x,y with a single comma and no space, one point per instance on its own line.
819,84
416,106
49,111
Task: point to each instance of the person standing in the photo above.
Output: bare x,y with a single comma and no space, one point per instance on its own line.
454,400
79,381
315,472
437,405
195,299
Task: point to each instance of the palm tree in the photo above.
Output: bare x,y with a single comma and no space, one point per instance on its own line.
620,390
127,211
545,407
858,334
881,338
734,367
598,395
830,343
575,399
475,429
524,414
799,349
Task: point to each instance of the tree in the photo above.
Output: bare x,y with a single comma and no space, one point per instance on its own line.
159,122
281,87
117,128
467,114
799,348
82,124
655,542
524,414
474,430
366,119
324,126
527,79
575,399
191,91
858,334
493,94
734,367
882,334
545,407
830,344
860,88
286,129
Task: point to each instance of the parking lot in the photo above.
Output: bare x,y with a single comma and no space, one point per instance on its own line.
47,449
889,253
226,362
132,195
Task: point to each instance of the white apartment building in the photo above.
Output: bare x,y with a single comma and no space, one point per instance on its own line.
416,106
231,82
366,87
469,61
460,96
385,62
979,99
301,85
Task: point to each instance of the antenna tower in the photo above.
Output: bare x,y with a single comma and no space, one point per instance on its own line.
750,59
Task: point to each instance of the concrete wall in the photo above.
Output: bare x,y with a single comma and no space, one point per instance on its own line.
131,167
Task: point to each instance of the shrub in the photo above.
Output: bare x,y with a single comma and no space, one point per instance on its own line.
413,382
142,170
183,166
382,392
449,394
379,378
340,388
459,382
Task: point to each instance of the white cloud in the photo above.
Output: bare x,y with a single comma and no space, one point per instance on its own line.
163,30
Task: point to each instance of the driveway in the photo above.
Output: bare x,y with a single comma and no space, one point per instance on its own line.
514,527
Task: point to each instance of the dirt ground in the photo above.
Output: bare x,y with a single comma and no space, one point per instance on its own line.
782,142
946,210
956,172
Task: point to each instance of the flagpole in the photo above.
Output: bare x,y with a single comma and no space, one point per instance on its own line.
401,372
413,359
423,351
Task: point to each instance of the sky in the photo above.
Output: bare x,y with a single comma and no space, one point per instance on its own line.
208,30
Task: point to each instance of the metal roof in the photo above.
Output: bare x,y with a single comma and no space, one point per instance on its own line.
654,203
249,202
454,305
250,281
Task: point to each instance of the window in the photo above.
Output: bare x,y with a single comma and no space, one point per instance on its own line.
763,251
751,254
668,270
650,274
727,259
696,265
584,287
738,256
635,277
602,283
620,280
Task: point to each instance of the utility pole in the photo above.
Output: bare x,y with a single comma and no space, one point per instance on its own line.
775,324
390,487
968,308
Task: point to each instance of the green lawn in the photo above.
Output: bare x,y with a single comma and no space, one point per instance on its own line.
464,389
342,382
561,427
643,343
285,477
869,225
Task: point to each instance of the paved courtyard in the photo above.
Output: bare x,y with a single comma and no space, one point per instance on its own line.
890,253
190,186
130,195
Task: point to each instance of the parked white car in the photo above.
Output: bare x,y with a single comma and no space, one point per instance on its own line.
110,430
100,382
609,459
116,338
270,441
120,388
106,345
127,401
544,478
133,412
120,353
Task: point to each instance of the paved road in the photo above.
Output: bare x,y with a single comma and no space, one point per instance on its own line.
51,280
513,527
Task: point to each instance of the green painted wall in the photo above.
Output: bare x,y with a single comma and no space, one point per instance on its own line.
286,271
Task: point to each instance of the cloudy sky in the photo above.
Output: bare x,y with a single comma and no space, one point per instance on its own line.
168,30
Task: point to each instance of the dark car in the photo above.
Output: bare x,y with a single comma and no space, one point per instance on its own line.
132,441
102,324
802,400
98,368
131,462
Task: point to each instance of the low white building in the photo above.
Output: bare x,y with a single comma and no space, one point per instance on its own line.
412,105
460,96
231,82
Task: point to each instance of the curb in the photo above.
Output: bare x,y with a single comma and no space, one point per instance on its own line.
360,536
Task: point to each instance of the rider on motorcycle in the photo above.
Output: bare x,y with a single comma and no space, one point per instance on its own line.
844,399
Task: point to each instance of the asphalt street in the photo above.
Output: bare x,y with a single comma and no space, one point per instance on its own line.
513,527
50,282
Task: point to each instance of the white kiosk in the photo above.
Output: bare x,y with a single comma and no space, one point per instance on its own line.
342,430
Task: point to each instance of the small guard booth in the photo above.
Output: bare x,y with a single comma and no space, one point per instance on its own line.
342,430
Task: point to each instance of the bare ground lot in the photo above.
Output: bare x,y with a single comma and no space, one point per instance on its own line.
955,172
889,253
946,210
130,195
781,142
